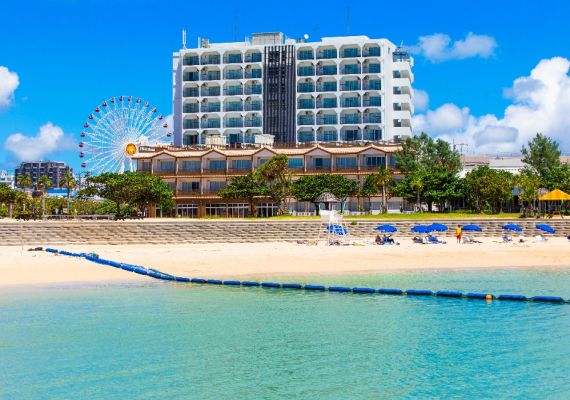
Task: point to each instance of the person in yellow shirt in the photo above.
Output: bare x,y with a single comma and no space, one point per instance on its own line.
458,234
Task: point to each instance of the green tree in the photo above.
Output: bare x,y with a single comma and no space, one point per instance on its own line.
11,197
55,203
542,155
44,183
383,180
69,183
245,187
369,186
423,153
24,181
488,188
435,188
417,184
528,182
307,188
276,174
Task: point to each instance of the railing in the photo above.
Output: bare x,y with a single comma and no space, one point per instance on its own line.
306,120
195,60
373,118
371,52
188,192
214,171
233,123
296,169
327,87
373,134
235,74
327,120
253,89
306,137
305,55
305,71
190,108
211,191
212,107
211,123
327,103
350,136
160,171
239,170
351,53
147,149
351,69
326,55
188,171
369,167
319,168
327,70
210,91
210,60
350,86
306,88
191,92
191,77
373,85
351,102
211,76
253,57
233,59
233,106
253,106
253,122
252,74
327,136
233,91
371,69
345,168
191,124
373,102
305,104
350,119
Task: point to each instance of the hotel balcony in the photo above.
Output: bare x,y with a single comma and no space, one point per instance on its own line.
305,104
188,192
190,108
348,168
253,106
327,136
351,53
214,91
254,122
372,102
371,52
318,168
253,74
350,119
350,86
351,69
306,120
211,123
327,103
191,124
211,76
350,135
326,54
192,60
213,171
351,102
233,91
233,123
162,172
210,192
235,74
233,106
372,134
233,59
306,71
327,70
189,171
239,170
212,107
253,57
210,60
191,92
327,87
327,120
373,85
305,55
373,118
371,69
253,89
306,87
191,77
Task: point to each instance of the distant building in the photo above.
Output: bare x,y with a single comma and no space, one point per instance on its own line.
6,178
54,170
510,164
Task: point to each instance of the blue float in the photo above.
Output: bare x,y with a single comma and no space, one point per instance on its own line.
512,297
249,283
51,250
315,287
197,280
167,277
292,286
482,296
270,284
232,283
390,291
548,299
182,279
339,289
214,281
141,271
419,292
363,290
153,275
448,294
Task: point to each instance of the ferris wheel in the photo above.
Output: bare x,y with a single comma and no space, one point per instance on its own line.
115,129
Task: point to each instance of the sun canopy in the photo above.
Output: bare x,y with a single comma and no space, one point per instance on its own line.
512,227
437,227
420,229
386,228
471,228
555,195
545,228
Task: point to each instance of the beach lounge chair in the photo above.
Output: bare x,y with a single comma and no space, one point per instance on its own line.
540,238
434,240
472,240
506,239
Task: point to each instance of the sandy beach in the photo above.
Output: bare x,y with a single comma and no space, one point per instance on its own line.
240,261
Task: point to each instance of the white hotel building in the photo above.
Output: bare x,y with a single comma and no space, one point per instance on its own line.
340,90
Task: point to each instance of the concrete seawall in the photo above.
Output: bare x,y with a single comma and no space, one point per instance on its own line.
36,233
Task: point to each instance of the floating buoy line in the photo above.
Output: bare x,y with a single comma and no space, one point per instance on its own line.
153,273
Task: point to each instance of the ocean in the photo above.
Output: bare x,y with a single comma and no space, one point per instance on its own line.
172,340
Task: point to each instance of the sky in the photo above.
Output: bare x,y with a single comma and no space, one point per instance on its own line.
489,74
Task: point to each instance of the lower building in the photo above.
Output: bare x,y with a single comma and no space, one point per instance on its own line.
54,170
7,179
197,175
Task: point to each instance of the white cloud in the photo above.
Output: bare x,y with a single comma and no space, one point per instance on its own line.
8,83
50,139
438,47
541,103
420,100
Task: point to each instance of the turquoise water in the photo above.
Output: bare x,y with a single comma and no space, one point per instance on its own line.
169,340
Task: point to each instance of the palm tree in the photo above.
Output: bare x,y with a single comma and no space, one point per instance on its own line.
418,184
44,183
383,179
24,181
68,182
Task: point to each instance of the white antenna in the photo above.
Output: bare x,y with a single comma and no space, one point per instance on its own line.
183,39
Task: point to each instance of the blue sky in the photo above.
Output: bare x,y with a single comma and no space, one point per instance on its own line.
68,56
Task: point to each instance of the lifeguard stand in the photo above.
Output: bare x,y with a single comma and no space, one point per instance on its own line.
334,225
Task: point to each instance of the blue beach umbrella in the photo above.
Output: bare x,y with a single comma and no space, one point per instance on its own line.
386,228
420,229
337,230
474,228
546,228
437,227
512,227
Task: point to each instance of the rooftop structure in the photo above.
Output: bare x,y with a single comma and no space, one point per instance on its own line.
7,179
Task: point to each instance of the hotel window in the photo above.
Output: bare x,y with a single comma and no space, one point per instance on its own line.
295,162
190,185
346,161
375,161
217,164
167,165
190,164
217,185
241,163
263,161
321,162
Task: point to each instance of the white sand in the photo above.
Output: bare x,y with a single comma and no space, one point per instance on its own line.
227,261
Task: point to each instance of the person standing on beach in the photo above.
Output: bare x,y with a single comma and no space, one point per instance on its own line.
458,234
